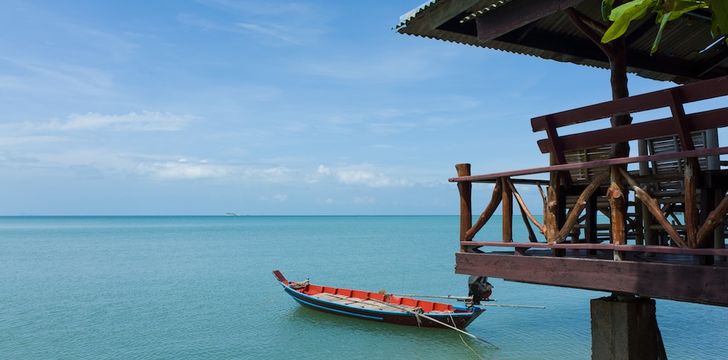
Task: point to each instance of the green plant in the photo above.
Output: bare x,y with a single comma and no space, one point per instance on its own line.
666,10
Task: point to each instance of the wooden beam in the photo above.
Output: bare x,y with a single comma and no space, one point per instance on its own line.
680,123
703,120
516,14
691,283
692,221
655,249
617,208
596,164
554,143
697,91
565,48
550,217
507,211
466,208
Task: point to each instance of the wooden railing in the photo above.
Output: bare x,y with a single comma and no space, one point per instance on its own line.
614,180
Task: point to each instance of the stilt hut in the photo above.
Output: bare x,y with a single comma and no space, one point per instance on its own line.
641,227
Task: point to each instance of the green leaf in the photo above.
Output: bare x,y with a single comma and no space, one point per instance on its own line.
671,10
681,7
624,14
607,6
663,22
720,17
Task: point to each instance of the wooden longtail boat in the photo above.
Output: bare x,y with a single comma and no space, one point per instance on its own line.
379,307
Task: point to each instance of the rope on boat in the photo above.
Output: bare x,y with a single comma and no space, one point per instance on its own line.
436,321
466,344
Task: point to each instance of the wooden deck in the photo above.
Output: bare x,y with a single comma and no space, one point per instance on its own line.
666,231
662,276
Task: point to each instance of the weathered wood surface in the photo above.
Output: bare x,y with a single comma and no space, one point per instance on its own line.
508,18
507,211
691,92
691,201
466,208
617,206
595,164
691,283
603,247
710,119
549,217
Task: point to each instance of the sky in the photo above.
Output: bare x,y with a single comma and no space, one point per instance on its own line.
260,108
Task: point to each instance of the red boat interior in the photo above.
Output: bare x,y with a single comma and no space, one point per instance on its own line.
313,290
426,306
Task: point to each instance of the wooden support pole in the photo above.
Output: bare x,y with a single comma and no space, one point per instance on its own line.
648,220
549,216
507,209
495,200
617,206
466,209
719,232
581,202
654,208
639,230
691,203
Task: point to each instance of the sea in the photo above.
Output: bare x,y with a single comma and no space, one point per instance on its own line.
164,287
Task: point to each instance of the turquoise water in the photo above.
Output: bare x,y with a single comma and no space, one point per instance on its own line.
201,288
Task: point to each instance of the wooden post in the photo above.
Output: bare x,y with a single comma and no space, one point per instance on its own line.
507,209
691,203
648,220
549,216
617,205
590,224
719,232
466,208
639,230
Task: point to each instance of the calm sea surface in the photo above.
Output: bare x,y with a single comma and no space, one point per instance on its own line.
201,288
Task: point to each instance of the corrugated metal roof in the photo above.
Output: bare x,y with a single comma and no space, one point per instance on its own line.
679,58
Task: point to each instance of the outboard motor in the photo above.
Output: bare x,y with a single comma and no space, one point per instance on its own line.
479,288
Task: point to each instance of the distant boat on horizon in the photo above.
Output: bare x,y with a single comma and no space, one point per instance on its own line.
231,214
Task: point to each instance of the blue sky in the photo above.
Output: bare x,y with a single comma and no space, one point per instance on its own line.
258,107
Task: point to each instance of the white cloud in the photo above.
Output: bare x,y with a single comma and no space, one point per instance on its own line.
365,175
182,169
323,170
133,121
280,197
